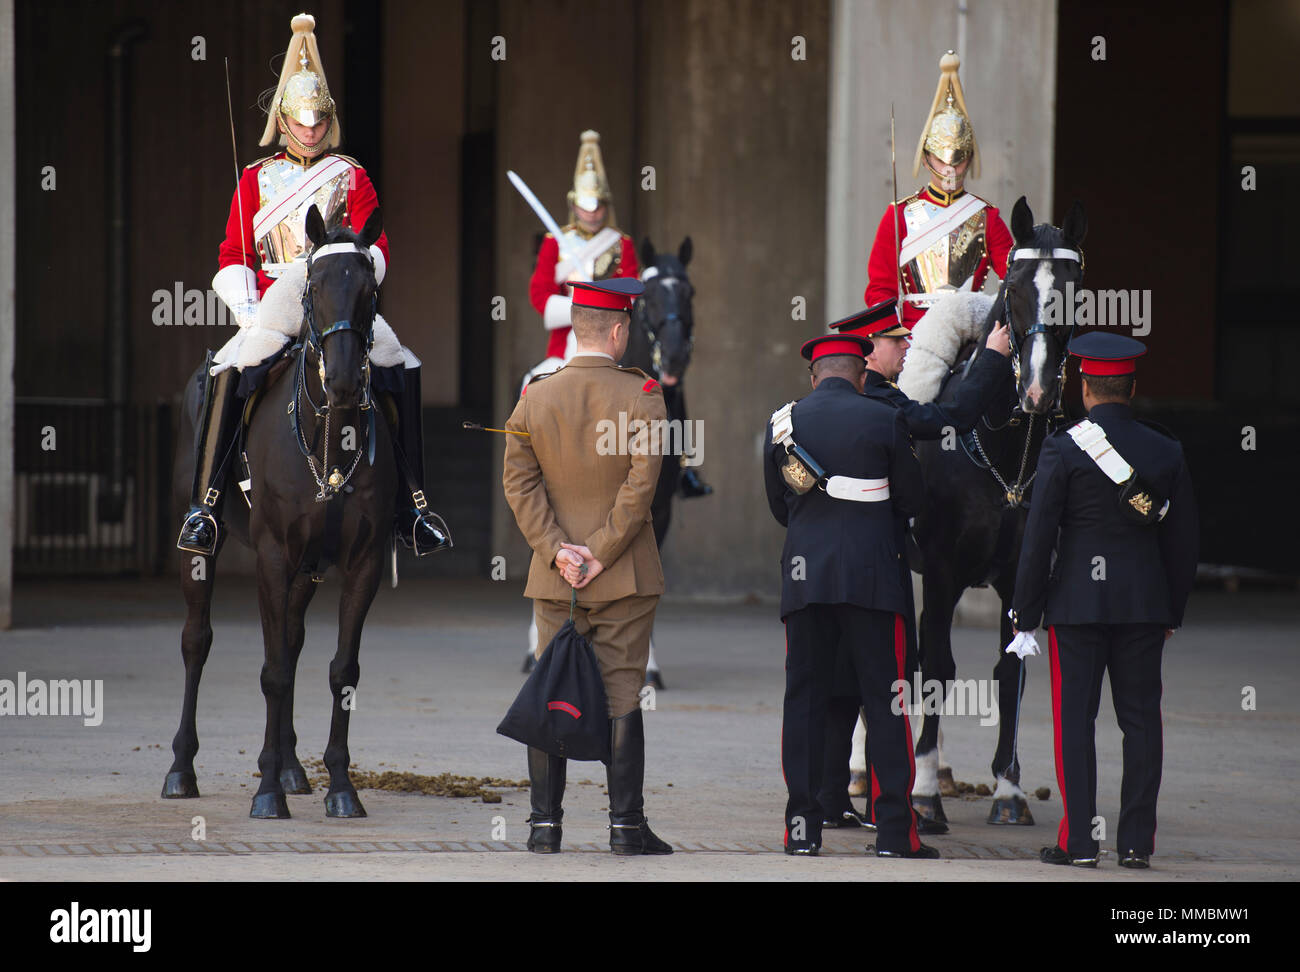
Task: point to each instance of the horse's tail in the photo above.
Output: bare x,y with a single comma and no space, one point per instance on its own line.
955,320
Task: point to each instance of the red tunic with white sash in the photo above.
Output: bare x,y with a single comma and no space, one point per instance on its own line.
266,228
949,241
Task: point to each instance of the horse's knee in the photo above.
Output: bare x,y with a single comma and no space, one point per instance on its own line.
275,681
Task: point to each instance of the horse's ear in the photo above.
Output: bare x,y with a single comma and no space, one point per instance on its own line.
1022,221
647,252
1076,223
684,251
374,227
315,226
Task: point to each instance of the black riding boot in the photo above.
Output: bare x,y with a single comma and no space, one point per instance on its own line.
417,526
215,435
691,484
546,775
629,832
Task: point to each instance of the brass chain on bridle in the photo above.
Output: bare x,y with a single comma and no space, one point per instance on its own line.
1015,493
328,485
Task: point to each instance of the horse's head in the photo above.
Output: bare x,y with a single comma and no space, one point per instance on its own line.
1044,260
663,312
339,306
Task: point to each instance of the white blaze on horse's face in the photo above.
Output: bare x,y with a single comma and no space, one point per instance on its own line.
1040,374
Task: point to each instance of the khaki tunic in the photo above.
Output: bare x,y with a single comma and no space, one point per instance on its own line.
586,475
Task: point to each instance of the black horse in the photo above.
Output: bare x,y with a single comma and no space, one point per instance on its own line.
314,504
660,340
971,528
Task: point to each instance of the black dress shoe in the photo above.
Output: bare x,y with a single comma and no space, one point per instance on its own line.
923,853
1054,855
846,818
1132,859
801,848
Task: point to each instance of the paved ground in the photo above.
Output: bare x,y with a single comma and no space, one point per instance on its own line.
440,666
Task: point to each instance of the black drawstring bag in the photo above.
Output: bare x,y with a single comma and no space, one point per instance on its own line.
562,709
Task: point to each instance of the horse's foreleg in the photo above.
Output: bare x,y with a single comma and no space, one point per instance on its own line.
345,670
939,601
293,778
274,582
197,578
1009,803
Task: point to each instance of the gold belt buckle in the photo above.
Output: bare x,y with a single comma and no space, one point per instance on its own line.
418,498
211,496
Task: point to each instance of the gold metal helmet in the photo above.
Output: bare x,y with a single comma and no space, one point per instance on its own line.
303,93
948,134
590,184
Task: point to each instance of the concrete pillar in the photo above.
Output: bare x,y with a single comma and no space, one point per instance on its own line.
7,317
889,52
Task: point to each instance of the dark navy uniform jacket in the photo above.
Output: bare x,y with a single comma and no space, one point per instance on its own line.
1149,569
927,420
850,550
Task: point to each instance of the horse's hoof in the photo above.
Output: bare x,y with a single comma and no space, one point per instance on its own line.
859,783
270,806
930,807
345,803
1011,810
294,780
947,786
655,680
530,662
180,785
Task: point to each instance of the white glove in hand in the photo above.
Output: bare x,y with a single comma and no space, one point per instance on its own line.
1024,645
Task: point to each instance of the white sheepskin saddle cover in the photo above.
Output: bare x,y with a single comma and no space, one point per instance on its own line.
938,337
279,319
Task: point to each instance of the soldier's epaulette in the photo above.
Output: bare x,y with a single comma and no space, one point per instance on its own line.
1159,428
632,370
349,159
908,199
546,374
261,163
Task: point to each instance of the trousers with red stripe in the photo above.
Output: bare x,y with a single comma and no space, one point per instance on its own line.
875,644
1080,654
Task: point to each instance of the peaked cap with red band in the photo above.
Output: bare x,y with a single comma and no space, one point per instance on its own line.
615,294
878,320
1103,354
829,344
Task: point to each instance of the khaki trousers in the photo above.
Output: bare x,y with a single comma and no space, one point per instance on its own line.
619,632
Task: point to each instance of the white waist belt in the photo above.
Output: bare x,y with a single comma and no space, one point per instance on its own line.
858,490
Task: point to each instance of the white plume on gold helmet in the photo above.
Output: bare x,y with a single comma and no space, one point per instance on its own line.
948,134
303,93
590,184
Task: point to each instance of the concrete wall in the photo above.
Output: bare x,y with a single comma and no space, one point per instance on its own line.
424,118
546,95
889,52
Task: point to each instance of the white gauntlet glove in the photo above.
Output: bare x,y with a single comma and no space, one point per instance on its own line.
236,285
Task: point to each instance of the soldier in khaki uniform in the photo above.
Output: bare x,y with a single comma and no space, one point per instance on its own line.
580,484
